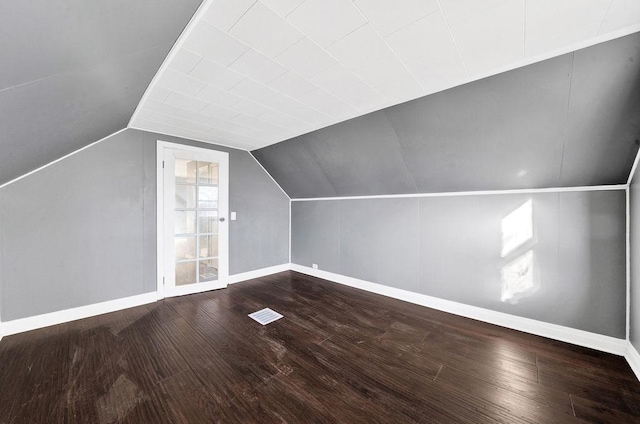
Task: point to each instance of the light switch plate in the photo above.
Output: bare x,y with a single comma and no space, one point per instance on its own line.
233,216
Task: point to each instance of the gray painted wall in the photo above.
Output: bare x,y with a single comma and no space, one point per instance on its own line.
634,205
83,230
450,248
565,122
74,71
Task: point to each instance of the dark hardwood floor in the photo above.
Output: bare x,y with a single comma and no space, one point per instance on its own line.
339,355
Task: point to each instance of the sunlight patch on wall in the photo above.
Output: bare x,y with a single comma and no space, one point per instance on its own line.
517,228
518,276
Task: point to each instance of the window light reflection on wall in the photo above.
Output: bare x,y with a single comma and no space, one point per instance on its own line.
518,278
517,228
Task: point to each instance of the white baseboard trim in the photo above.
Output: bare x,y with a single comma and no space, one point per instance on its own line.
553,331
527,325
633,358
45,320
59,317
257,273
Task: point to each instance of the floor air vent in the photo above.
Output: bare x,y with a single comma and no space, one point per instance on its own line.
265,316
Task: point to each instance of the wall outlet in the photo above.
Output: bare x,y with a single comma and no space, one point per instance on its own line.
314,266
233,216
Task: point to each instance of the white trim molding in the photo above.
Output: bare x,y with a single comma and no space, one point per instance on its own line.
174,50
257,273
627,194
61,159
527,325
633,358
199,140
270,176
633,168
59,317
67,315
470,193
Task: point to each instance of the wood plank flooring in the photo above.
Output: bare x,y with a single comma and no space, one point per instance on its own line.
339,355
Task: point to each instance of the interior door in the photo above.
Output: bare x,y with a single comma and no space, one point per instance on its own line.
196,187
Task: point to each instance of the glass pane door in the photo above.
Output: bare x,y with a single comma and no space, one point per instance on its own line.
194,192
196,221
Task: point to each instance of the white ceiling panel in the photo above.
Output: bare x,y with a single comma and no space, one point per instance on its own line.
198,127
360,48
388,16
569,36
154,106
548,30
621,14
292,85
493,38
159,93
251,108
336,78
253,90
160,127
435,62
283,7
216,75
177,81
397,89
457,11
260,125
362,97
219,111
327,103
193,117
225,13
186,102
283,120
167,119
184,61
286,104
219,97
306,58
326,21
265,31
378,74
214,44
249,73
145,113
257,66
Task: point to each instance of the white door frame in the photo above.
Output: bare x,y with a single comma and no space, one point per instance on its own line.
160,230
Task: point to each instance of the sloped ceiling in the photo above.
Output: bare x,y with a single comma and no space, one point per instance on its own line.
251,73
573,120
73,71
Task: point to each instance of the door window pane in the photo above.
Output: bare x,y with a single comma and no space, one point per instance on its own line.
208,197
185,171
207,222
208,173
185,248
196,221
185,222
208,246
209,270
185,273
185,197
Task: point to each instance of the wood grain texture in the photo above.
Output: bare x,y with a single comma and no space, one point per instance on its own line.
339,355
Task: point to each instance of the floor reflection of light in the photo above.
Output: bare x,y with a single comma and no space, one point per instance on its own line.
517,228
518,278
